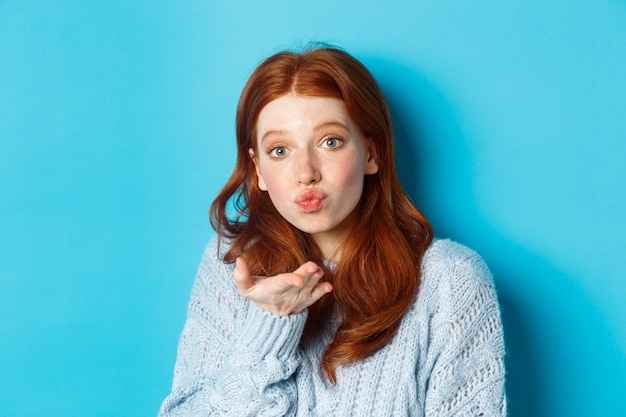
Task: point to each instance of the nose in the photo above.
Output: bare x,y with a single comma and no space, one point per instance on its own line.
307,168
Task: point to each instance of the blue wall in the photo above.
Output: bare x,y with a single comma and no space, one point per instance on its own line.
117,129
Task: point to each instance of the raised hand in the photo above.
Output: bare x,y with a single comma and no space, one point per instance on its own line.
285,293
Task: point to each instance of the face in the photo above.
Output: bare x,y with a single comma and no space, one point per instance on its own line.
312,159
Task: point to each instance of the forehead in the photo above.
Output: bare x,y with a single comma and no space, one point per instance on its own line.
294,112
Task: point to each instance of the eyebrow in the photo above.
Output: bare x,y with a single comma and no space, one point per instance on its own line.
319,127
331,124
272,133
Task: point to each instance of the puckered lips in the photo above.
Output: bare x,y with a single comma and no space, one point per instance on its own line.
310,200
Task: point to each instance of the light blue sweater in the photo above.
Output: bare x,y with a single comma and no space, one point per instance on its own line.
446,359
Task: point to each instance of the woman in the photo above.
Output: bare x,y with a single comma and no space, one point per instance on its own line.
323,292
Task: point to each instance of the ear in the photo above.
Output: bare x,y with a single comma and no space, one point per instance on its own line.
371,163
260,180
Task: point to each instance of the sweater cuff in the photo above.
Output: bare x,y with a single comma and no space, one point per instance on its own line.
265,334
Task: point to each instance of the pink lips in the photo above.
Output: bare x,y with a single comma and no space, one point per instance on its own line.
310,200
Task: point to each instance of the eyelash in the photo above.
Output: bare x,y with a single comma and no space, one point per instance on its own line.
338,142
273,149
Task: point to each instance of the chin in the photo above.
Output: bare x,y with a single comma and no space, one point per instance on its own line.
313,229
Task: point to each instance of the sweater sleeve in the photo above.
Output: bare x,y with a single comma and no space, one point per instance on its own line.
233,357
467,377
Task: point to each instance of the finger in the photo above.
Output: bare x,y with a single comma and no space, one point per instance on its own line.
314,278
242,276
320,290
297,278
288,281
309,270
306,275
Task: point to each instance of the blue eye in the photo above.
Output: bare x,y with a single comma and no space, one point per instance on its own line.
332,143
278,151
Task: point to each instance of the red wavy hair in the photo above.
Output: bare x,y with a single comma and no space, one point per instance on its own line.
378,273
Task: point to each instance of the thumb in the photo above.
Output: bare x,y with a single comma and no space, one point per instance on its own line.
242,277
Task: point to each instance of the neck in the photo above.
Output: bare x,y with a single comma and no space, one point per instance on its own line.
330,252
330,242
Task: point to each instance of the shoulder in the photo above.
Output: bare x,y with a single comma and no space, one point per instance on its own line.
214,275
213,256
449,260
465,346
455,277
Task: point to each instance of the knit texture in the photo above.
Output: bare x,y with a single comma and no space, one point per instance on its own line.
235,359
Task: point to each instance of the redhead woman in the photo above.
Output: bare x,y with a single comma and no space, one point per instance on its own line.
324,292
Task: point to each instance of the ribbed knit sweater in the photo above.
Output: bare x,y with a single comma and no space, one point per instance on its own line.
446,359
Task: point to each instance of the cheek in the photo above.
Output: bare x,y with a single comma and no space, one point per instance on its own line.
271,179
351,175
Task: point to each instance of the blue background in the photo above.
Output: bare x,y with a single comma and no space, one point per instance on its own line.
117,130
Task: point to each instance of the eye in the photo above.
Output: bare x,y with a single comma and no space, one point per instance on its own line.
278,151
332,143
